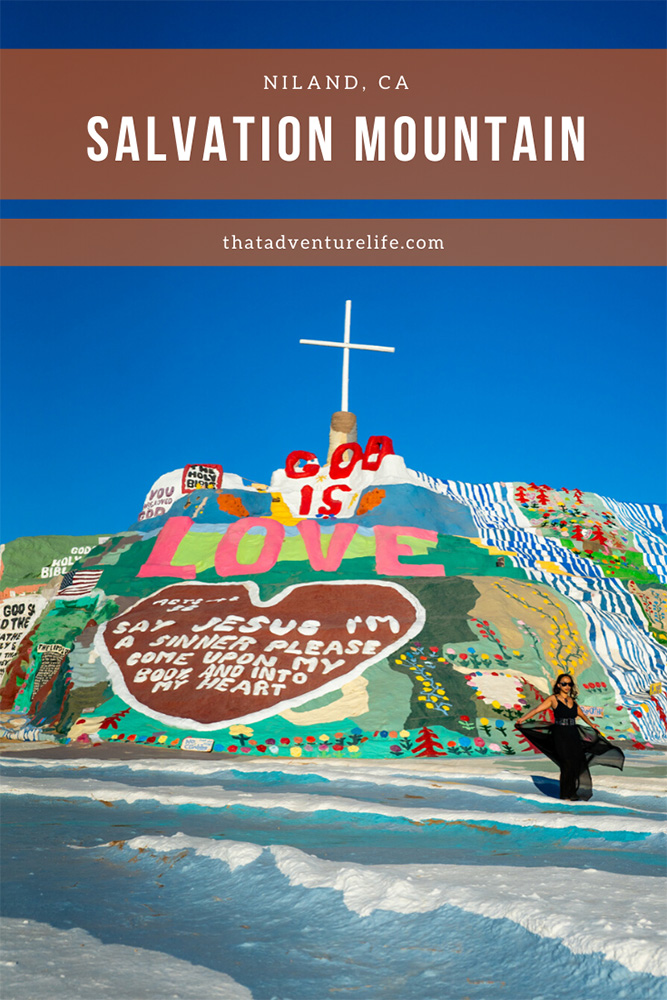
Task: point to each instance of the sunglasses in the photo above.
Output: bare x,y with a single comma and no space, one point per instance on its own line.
566,684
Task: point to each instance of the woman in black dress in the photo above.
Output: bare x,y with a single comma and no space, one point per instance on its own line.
568,745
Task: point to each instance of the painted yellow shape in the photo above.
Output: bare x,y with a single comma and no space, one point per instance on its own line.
90,726
281,512
552,567
352,702
543,612
491,549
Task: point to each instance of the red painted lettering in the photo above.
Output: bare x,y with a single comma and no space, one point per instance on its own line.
310,469
339,471
306,500
378,446
331,505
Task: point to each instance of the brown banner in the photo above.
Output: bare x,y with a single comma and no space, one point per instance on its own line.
334,242
312,124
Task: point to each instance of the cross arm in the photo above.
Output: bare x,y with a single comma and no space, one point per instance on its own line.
352,347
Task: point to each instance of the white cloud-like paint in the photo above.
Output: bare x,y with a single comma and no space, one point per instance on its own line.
215,797
39,960
627,927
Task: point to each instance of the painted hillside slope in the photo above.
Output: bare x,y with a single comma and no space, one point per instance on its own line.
353,609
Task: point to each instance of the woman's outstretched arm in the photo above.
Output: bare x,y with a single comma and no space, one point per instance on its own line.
549,703
582,715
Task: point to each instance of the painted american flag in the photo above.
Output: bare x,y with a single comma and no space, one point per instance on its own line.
78,583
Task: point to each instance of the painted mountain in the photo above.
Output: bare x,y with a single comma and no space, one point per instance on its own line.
355,609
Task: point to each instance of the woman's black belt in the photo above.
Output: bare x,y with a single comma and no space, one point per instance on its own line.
566,722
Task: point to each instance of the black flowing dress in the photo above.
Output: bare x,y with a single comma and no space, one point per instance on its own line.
573,748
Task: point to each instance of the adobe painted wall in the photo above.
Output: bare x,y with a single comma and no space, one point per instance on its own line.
353,609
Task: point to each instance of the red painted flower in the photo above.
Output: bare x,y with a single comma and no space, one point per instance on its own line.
451,743
465,718
310,739
261,747
463,656
338,746
233,748
284,740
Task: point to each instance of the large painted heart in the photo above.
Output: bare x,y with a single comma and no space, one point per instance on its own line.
208,655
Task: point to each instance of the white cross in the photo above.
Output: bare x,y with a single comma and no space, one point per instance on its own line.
346,345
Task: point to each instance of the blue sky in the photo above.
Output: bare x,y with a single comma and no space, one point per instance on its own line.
113,376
